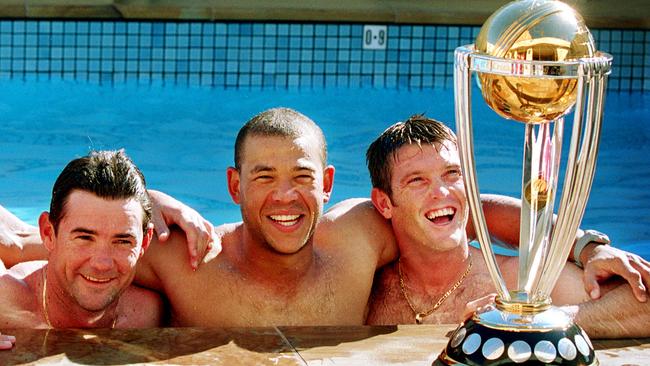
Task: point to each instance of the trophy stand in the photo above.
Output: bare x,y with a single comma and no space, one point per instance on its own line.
534,60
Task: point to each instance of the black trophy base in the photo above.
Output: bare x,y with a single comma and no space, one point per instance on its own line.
502,338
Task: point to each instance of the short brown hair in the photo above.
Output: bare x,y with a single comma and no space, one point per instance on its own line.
282,122
107,174
418,129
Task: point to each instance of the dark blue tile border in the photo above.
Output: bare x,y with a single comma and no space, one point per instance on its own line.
264,55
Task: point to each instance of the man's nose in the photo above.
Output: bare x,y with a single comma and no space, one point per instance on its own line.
285,192
439,189
101,259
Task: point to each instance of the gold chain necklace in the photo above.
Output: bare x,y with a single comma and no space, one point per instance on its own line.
419,316
47,318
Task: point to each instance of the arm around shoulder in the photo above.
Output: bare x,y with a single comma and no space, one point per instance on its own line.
357,220
616,315
19,241
159,257
502,216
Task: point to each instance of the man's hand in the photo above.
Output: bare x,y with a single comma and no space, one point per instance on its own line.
9,238
198,231
12,229
604,261
19,241
7,341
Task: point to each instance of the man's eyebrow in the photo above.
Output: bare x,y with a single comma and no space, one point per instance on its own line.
262,168
412,174
304,167
124,236
81,230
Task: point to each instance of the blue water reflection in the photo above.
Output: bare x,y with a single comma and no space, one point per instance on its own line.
183,141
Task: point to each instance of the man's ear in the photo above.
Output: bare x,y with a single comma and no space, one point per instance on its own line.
328,182
382,203
232,175
46,230
146,239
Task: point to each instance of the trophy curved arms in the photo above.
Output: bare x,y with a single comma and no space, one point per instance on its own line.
592,82
539,277
462,84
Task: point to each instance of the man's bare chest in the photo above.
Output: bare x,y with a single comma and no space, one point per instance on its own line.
331,296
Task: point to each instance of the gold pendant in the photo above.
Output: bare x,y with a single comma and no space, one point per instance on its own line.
418,318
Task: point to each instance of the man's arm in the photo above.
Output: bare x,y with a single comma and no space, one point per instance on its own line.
20,242
357,218
615,315
502,215
602,261
162,259
199,232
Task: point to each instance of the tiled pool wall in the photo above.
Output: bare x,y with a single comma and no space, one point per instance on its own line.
264,55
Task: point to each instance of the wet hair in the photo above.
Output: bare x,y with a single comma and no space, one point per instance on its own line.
418,130
107,174
281,122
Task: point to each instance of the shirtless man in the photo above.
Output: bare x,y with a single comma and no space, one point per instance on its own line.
284,264
281,265
97,229
418,186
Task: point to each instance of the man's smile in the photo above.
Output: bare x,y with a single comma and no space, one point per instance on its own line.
285,220
96,279
441,216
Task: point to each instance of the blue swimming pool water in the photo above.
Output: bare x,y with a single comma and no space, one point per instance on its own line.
182,139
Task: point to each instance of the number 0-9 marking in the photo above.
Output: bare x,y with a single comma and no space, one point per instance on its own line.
374,37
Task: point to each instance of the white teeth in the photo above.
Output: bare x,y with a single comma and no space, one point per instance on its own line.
442,212
102,280
285,220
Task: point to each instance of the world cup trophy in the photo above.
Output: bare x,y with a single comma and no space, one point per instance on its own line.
535,61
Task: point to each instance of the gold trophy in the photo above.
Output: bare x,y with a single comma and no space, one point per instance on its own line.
535,61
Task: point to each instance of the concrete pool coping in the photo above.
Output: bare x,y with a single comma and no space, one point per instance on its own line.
634,14
316,345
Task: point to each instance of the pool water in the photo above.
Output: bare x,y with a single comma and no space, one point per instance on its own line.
182,139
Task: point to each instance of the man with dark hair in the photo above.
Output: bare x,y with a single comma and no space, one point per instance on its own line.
276,266
97,229
418,186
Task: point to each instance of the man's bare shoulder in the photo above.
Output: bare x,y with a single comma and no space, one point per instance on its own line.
355,226
169,263
350,212
229,234
18,304
140,308
172,254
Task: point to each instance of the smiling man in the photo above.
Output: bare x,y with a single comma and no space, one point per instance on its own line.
418,186
276,266
97,228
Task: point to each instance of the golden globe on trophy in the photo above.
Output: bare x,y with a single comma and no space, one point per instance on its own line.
535,61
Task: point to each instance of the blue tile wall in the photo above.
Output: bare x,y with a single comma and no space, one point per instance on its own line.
264,55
